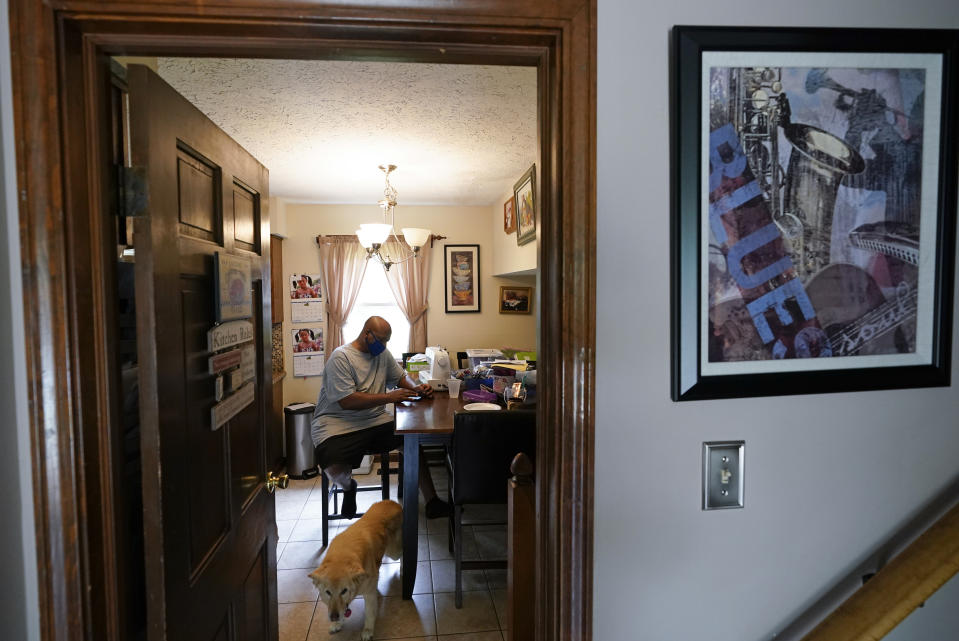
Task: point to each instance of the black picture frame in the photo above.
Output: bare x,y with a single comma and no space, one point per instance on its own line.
724,245
461,278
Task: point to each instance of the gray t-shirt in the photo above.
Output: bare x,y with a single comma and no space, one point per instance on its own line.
349,370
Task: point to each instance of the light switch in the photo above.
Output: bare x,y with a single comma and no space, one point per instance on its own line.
723,463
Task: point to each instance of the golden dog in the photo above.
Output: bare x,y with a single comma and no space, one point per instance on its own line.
352,564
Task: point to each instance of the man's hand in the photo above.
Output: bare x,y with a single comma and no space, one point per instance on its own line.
400,394
424,390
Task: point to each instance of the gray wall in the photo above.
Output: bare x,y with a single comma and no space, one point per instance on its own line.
18,590
828,477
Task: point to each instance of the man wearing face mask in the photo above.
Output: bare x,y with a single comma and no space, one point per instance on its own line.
351,417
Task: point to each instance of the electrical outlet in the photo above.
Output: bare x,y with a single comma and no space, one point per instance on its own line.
723,464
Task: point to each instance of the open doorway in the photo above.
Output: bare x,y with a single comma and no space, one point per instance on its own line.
61,61
479,121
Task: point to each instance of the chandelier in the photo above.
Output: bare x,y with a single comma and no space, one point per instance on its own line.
373,235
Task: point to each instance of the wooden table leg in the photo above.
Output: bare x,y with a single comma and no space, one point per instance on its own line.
411,511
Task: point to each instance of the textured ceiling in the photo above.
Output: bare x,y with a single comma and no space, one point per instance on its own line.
459,134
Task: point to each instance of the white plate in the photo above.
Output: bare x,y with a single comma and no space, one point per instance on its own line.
472,407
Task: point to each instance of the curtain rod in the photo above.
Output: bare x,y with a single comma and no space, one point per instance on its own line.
353,236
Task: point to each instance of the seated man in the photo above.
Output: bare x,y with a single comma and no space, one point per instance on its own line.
351,419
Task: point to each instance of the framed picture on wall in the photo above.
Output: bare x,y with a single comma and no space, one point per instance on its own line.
814,205
524,193
234,287
461,275
509,215
515,300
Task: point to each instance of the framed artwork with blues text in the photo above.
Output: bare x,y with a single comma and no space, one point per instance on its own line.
814,207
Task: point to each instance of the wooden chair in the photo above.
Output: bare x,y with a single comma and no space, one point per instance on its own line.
482,449
335,491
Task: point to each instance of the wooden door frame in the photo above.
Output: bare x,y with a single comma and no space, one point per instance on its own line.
58,48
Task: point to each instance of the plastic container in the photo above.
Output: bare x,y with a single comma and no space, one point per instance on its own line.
477,356
454,387
475,383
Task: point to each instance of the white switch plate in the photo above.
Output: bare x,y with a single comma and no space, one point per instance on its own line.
723,464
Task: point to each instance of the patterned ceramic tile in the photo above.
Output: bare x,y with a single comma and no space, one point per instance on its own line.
493,635
295,620
476,615
499,602
294,586
301,555
391,583
444,577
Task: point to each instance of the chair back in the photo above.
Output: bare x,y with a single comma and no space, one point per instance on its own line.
482,448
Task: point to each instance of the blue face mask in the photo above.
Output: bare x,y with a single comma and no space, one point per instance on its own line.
376,347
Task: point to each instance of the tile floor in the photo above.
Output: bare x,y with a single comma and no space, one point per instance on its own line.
431,615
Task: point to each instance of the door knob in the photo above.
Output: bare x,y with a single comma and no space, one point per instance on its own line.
273,482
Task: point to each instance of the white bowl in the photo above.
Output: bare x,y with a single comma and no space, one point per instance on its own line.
472,407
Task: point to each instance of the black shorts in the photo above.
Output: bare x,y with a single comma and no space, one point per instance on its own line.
351,447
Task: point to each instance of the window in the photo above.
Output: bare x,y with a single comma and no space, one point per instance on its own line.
376,299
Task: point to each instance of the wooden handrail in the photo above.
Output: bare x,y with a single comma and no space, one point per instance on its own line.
898,588
521,566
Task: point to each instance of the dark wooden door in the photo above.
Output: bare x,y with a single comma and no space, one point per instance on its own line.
209,522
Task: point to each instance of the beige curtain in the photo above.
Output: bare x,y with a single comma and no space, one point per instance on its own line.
410,283
342,266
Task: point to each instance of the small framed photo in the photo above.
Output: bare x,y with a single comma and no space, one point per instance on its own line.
234,287
515,300
509,215
461,275
524,193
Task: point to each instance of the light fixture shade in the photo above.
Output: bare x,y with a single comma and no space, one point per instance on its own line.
365,238
378,232
416,237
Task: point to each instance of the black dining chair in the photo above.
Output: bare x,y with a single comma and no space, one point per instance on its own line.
335,492
480,453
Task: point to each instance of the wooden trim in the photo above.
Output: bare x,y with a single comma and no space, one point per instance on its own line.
70,386
898,588
521,550
50,383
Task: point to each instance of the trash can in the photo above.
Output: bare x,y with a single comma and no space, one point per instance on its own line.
300,456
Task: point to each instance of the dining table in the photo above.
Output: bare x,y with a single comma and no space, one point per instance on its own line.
425,421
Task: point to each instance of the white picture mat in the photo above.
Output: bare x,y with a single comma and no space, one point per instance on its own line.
932,64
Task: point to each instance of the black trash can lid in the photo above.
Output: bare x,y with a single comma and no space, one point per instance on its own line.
299,408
